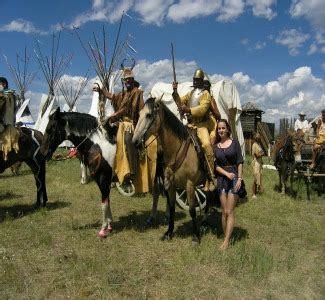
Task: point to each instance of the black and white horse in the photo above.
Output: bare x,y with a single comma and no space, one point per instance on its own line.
96,145
29,143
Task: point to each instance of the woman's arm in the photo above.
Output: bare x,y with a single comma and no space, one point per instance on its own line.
225,173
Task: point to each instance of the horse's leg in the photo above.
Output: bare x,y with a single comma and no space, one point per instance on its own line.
190,191
155,198
38,168
171,202
103,180
83,170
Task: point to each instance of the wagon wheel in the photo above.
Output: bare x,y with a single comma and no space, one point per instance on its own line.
127,190
200,197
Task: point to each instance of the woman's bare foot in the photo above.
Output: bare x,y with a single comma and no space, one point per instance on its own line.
224,246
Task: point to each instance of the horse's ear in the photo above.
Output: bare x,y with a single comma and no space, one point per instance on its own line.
158,100
54,114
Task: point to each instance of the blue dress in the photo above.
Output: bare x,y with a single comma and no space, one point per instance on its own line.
228,159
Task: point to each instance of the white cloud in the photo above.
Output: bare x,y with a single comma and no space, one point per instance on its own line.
262,8
260,45
21,25
293,39
244,41
296,100
152,11
231,10
312,10
188,9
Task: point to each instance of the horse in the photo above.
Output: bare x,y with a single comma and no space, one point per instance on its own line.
94,142
97,146
183,167
29,142
286,152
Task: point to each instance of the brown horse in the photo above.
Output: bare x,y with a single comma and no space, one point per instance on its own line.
286,152
183,167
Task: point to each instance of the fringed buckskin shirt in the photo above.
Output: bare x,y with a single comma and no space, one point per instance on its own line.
131,101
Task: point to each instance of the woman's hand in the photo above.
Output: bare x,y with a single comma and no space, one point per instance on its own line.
238,184
230,176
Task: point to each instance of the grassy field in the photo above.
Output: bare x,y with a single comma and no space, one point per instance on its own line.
278,247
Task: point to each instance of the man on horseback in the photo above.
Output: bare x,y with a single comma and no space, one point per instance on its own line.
197,107
320,139
127,105
7,104
8,133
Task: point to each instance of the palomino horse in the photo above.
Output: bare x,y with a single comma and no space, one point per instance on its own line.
29,142
286,152
182,166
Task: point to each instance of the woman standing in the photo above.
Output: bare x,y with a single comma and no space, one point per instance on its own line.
229,167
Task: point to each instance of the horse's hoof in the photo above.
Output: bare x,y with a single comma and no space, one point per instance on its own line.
195,240
149,221
166,237
195,243
83,181
104,232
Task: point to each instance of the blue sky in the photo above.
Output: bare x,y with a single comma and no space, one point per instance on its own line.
273,50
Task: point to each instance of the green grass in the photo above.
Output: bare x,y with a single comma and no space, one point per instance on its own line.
277,252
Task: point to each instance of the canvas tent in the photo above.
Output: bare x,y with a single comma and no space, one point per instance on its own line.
224,92
24,115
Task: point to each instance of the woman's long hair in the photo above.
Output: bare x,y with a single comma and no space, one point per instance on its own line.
228,129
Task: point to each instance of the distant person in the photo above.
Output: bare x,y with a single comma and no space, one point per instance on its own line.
301,123
257,163
229,168
320,138
7,105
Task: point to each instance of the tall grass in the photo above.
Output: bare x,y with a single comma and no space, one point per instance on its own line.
277,251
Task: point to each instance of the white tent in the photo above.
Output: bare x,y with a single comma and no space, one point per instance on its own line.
42,121
24,116
224,92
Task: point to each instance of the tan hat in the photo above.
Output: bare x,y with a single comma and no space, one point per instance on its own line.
127,73
302,113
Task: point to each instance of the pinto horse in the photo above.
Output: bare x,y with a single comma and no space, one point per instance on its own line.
95,143
29,143
183,168
286,152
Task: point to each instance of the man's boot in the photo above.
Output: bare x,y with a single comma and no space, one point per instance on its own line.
213,180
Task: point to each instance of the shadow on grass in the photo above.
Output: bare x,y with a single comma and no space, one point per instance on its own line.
9,196
21,173
21,210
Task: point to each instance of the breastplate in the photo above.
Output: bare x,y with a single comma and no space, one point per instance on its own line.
195,98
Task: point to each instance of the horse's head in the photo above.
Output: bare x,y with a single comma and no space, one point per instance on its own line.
148,123
297,143
54,134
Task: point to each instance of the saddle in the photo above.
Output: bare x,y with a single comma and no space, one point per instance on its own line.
9,140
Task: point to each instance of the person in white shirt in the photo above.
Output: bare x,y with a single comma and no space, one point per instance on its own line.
301,123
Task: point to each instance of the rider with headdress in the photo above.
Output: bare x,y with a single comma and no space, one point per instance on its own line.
127,105
197,106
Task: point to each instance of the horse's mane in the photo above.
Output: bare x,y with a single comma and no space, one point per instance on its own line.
170,121
80,124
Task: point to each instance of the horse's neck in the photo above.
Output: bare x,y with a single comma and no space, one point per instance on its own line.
170,144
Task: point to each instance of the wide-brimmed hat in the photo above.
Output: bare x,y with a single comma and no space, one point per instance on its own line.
301,113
